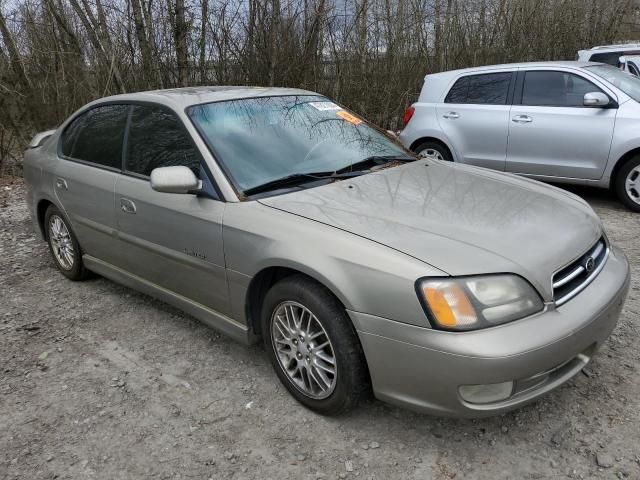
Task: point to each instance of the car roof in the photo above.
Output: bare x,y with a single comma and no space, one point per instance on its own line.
571,64
613,48
181,98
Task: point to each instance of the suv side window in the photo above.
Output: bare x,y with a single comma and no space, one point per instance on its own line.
96,136
157,138
458,93
555,89
484,89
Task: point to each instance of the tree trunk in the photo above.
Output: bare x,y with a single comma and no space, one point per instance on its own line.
14,55
180,37
143,42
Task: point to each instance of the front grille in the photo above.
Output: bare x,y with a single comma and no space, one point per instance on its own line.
573,278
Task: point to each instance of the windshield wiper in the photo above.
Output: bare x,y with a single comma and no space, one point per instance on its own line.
374,161
353,170
296,179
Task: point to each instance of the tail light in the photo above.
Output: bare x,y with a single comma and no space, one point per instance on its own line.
408,114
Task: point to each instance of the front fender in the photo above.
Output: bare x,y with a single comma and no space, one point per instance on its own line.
364,275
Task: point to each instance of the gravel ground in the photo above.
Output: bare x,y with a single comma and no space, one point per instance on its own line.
98,381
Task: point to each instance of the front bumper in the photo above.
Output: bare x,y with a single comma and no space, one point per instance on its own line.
422,369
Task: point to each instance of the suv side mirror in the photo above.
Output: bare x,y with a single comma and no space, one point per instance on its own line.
596,99
178,179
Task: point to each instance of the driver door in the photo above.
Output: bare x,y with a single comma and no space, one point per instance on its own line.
173,241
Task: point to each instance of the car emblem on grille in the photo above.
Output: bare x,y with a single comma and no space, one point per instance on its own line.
589,264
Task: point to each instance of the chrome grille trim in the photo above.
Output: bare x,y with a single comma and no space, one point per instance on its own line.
568,275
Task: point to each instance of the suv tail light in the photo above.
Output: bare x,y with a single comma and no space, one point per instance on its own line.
408,114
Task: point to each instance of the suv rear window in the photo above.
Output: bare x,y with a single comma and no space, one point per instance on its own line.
484,89
96,136
612,58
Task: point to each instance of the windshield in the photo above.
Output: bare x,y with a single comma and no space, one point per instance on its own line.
259,140
626,82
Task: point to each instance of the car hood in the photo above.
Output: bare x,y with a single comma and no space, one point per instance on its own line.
460,219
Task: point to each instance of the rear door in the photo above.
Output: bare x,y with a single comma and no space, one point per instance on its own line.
475,117
171,240
90,153
551,133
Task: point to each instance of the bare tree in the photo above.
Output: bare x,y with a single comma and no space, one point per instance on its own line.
372,55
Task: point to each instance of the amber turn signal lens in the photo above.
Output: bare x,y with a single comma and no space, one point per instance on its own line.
449,305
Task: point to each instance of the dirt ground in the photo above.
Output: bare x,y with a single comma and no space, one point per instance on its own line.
98,381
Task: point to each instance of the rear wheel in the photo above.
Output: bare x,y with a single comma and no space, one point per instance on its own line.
313,346
627,184
433,150
63,245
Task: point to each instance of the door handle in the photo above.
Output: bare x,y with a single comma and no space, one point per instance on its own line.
61,183
451,115
522,119
127,206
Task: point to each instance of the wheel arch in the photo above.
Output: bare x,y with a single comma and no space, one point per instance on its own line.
264,279
41,209
437,140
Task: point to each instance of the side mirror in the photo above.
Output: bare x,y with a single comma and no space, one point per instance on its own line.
622,60
596,99
177,179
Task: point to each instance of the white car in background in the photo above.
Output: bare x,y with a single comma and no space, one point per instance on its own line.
564,122
630,64
608,53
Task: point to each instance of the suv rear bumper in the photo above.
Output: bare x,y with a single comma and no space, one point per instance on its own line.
422,368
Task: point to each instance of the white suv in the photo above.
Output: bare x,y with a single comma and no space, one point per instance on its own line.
566,122
608,53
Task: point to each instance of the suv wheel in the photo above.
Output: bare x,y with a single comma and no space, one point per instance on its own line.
433,150
63,245
313,346
627,184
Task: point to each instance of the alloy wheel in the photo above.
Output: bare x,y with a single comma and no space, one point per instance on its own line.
431,153
304,350
61,243
632,184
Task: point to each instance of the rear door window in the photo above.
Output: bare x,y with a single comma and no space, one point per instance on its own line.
555,89
158,138
97,136
484,89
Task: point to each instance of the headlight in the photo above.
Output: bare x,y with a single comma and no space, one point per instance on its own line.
469,303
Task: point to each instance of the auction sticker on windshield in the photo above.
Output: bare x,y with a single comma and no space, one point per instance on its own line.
348,117
324,106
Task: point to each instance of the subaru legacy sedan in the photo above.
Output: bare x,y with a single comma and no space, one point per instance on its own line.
276,214
563,122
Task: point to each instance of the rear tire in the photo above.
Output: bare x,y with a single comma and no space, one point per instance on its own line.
435,150
313,346
627,184
63,245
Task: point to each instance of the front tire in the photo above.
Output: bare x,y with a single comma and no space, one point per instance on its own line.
313,346
627,184
63,245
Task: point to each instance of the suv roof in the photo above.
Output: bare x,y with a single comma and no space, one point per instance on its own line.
571,64
615,46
